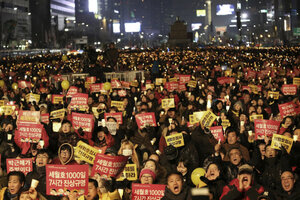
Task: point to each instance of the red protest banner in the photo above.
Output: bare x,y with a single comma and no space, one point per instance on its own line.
250,74
111,166
118,116
23,165
289,89
45,118
30,132
24,84
97,87
145,119
63,179
265,127
171,86
147,191
91,79
115,84
181,87
287,109
85,121
122,93
183,78
79,99
72,91
125,84
217,132
227,80
26,116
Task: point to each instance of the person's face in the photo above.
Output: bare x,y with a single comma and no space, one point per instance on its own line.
246,178
14,184
246,98
232,138
287,134
288,122
243,117
213,172
297,132
270,152
90,101
171,114
219,106
101,99
237,107
8,128
181,168
251,109
92,191
262,149
65,155
146,179
287,181
42,160
25,196
66,128
100,135
150,165
175,184
260,102
235,156
259,110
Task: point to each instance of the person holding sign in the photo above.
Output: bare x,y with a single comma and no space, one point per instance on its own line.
67,134
103,139
127,149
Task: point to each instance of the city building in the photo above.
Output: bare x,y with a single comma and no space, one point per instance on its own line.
15,24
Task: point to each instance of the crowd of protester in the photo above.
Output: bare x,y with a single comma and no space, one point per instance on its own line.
240,167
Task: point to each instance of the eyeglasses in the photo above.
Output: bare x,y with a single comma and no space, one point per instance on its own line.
287,178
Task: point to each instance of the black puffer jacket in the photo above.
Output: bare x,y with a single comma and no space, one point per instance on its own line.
283,195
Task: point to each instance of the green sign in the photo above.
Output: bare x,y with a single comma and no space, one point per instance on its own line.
296,31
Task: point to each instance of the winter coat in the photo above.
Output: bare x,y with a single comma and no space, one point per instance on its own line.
232,191
244,150
283,195
215,186
183,195
38,173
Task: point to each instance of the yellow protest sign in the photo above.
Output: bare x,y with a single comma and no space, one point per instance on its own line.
95,112
134,84
168,103
1,102
274,95
192,84
225,123
32,97
175,140
159,81
7,110
150,86
198,115
130,172
296,81
280,140
228,72
117,104
254,89
173,79
208,119
57,99
253,117
85,152
57,114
